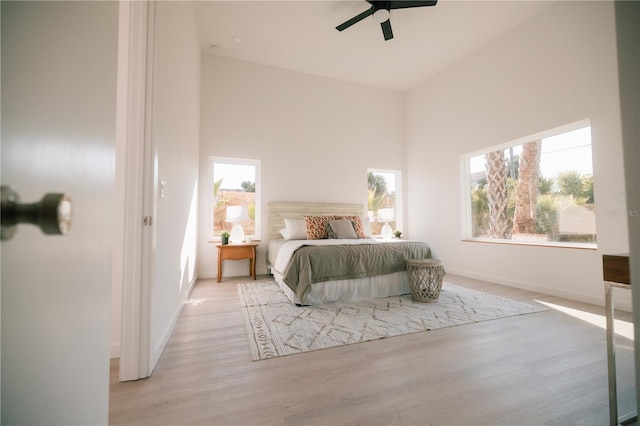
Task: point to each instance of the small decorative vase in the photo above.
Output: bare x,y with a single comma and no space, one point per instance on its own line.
225,241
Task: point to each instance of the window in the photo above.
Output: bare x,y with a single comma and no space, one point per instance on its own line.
384,199
235,195
537,190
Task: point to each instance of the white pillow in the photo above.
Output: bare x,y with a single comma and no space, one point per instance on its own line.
295,229
366,224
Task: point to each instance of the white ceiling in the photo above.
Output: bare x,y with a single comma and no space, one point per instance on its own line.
301,36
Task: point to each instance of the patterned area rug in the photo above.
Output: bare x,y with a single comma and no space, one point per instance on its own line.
277,327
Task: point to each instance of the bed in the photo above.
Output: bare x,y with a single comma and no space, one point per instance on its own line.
323,270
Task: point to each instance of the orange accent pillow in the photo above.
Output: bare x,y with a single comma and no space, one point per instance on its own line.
317,227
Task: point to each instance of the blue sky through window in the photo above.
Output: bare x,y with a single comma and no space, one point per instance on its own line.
560,153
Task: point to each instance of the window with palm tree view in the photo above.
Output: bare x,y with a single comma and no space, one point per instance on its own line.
235,195
537,190
384,201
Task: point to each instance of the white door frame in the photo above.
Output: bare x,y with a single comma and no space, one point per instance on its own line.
134,248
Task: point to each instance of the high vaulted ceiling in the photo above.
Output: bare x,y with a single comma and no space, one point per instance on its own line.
301,36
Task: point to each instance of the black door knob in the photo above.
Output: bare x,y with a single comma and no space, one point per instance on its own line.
52,213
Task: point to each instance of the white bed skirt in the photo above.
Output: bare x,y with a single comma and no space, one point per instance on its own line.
387,285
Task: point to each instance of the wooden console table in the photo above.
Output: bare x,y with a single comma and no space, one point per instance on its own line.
237,252
616,274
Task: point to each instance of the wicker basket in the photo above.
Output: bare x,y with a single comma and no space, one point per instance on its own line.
425,279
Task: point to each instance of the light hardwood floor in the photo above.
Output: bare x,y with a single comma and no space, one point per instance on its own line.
545,368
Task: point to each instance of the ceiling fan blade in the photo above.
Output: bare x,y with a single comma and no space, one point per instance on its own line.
386,29
355,19
408,4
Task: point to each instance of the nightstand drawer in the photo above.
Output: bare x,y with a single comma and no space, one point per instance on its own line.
236,252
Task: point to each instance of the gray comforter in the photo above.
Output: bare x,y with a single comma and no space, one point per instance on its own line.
313,264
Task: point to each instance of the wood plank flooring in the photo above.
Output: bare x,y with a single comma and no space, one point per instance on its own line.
546,368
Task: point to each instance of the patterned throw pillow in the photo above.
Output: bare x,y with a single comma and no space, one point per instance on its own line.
357,224
317,227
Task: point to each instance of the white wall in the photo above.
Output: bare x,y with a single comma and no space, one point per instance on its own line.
557,68
315,138
58,135
175,139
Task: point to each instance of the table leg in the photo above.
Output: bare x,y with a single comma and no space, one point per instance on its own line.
253,264
219,266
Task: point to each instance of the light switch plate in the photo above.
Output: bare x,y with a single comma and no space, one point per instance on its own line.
163,189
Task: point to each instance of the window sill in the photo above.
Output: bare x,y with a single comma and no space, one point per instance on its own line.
554,244
219,240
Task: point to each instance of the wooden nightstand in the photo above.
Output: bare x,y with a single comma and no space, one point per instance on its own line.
237,252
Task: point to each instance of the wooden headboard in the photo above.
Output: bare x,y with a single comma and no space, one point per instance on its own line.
278,211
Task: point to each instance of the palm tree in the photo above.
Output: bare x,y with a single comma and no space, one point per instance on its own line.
220,205
216,188
374,202
377,184
497,195
377,191
524,218
248,186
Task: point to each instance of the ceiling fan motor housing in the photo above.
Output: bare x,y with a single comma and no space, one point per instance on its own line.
381,15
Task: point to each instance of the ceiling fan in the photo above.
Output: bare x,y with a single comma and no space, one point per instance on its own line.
381,12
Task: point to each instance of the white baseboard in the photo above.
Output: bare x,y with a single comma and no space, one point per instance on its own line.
157,350
214,275
114,351
623,305
208,275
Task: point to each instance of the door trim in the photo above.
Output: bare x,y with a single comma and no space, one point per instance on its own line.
133,252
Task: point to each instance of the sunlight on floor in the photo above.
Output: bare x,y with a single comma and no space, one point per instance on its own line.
622,328
195,301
